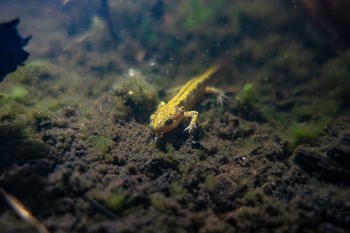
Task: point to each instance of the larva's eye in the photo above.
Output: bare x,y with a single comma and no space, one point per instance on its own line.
168,121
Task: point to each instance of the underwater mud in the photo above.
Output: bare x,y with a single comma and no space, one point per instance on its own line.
77,151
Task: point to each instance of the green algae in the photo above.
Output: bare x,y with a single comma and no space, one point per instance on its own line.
23,103
305,123
197,12
255,171
291,61
253,196
137,95
19,105
148,34
247,143
115,200
318,110
18,93
43,110
176,188
101,144
158,201
254,94
210,181
304,132
23,75
86,112
335,79
169,148
253,102
50,104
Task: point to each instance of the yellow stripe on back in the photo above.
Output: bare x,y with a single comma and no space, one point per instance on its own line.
191,86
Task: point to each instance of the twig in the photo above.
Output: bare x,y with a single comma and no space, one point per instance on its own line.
23,212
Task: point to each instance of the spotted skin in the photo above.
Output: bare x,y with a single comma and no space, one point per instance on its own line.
169,115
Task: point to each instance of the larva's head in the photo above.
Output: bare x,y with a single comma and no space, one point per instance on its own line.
165,119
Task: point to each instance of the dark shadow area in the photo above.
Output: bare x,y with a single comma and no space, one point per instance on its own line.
17,149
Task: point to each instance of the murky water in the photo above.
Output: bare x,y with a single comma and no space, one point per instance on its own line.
77,152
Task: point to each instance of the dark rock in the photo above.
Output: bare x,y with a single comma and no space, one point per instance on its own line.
158,167
340,151
11,48
321,167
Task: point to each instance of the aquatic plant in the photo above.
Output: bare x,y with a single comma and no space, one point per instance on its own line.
247,94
